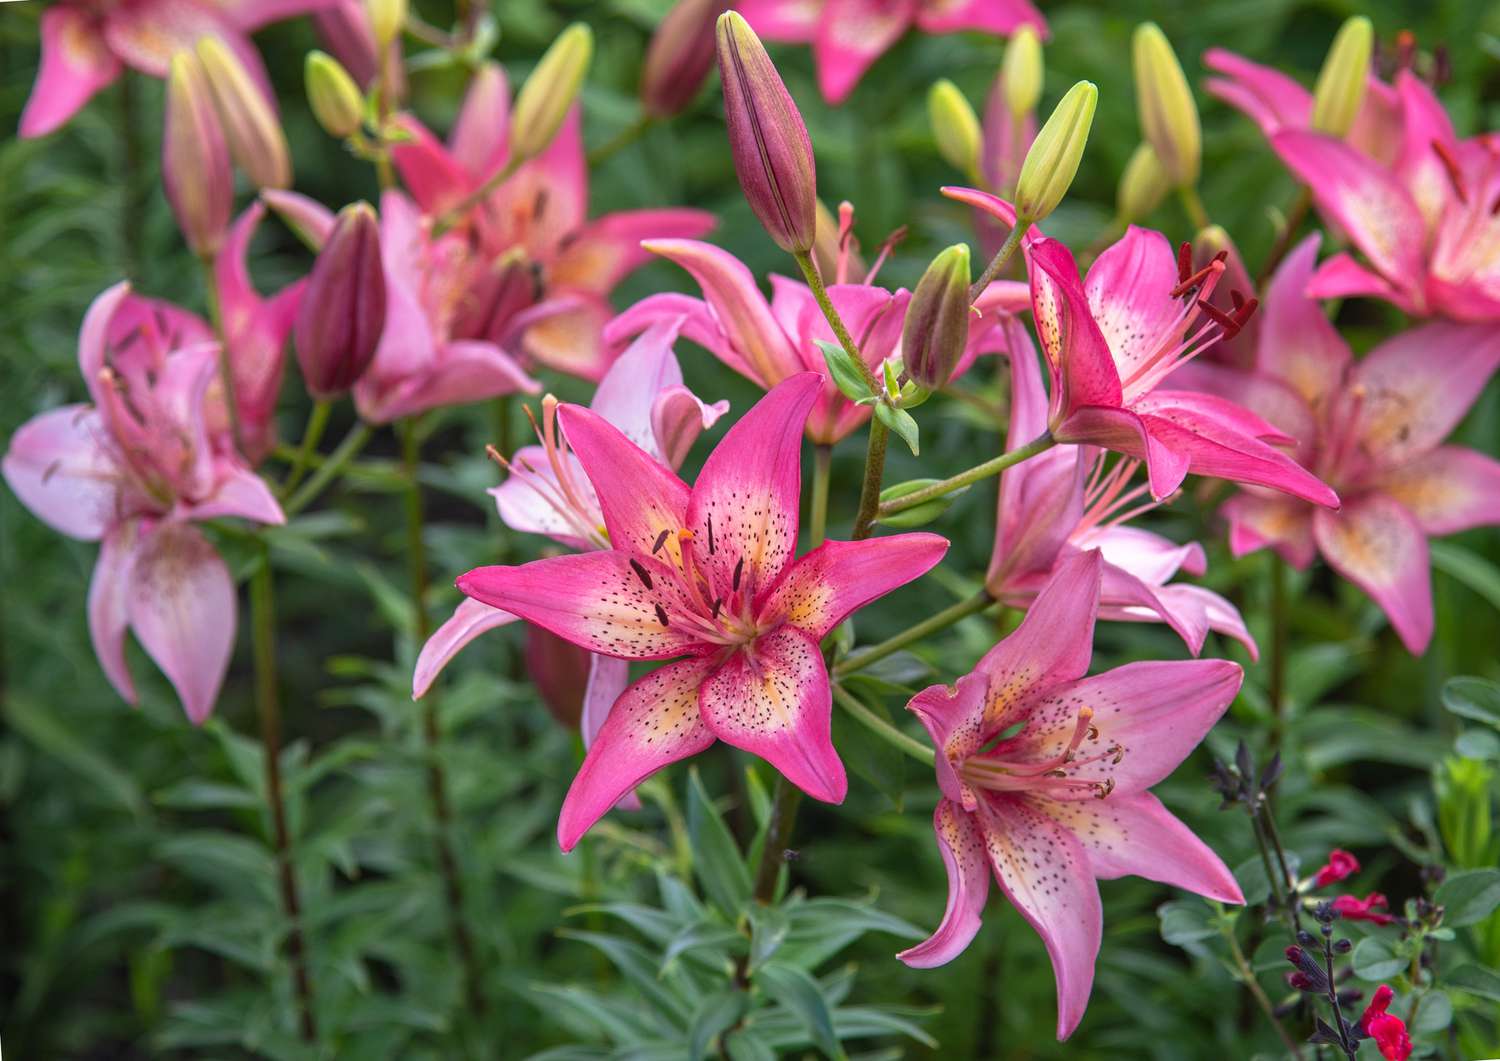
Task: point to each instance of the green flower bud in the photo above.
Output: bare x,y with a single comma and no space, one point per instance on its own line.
336,100
251,128
955,126
1053,159
547,95
1168,115
1021,71
1340,91
1143,185
387,17
936,328
195,172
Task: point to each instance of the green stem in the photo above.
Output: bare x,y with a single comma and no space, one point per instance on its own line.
1294,218
831,314
337,461
621,140
883,729
1247,977
226,367
818,514
957,482
450,217
311,435
869,493
1274,835
997,263
931,625
784,802
1276,680
437,781
268,707
1188,195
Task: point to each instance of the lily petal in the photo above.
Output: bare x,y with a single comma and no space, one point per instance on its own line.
109,609
821,589
1448,490
470,619
1082,364
1267,96
1257,520
480,138
1129,291
1297,341
76,63
962,846
1377,545
60,468
240,493
607,249
851,35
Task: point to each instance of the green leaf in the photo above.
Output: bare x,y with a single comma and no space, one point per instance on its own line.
846,372
743,1045
1185,921
1435,1014
638,966
1374,960
702,936
922,514
1469,568
191,794
802,995
902,423
769,926
46,730
1475,980
716,1014
717,863
1473,698
1468,897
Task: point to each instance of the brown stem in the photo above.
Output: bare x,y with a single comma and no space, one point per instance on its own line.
784,802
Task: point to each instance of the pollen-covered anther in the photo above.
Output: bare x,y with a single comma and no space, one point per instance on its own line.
1454,170
1191,282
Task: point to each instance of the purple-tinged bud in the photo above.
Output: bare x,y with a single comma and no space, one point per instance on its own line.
936,329
772,151
343,308
195,169
560,670
250,125
678,58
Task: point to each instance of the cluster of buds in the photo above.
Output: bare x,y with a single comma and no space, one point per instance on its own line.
1314,973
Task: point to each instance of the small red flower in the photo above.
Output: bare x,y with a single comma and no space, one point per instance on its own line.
1387,1029
1340,864
1367,909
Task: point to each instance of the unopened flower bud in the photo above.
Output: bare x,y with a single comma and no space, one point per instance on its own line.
1143,185
1021,71
194,159
678,57
772,152
955,126
250,125
387,17
1053,159
550,91
1168,115
1340,90
336,100
936,329
560,670
342,314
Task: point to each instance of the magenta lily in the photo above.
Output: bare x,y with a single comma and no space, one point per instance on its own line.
134,470
548,493
534,224
705,576
1065,799
1374,430
1066,500
770,342
86,44
847,36
1425,223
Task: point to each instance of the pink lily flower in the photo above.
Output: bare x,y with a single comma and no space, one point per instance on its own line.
422,362
771,342
847,36
1374,430
1065,800
1114,339
1426,223
547,492
86,44
135,469
705,576
1066,500
551,268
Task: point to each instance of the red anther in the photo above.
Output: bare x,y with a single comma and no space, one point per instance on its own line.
1184,264
1230,326
1455,172
1236,299
1189,283
1406,49
1244,309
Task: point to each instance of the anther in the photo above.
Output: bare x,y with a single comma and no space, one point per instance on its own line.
718,603
661,615
661,539
1184,262
641,572
1455,171
710,534
1223,320
1195,280
739,569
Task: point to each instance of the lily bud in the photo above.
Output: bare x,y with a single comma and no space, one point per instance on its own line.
937,320
342,313
548,94
1052,162
678,57
1021,71
1143,185
336,100
194,160
955,126
1168,115
560,670
1340,90
772,152
386,19
250,125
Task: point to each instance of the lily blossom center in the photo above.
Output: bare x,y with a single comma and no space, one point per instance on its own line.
1006,769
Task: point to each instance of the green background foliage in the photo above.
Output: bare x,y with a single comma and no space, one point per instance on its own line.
139,912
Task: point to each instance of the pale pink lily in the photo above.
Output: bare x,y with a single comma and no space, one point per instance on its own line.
422,361
770,342
1065,800
86,44
548,493
1069,499
534,228
847,36
1113,340
1373,429
134,470
708,574
1426,223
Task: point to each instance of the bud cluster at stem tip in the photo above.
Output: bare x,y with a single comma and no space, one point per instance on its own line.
936,328
1053,159
1340,91
955,127
550,91
1168,115
342,314
772,152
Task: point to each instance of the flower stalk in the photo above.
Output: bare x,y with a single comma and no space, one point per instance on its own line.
994,466
931,625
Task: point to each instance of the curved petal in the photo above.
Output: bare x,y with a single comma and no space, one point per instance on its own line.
1258,519
480,139
1448,490
819,590
467,370
109,610
1342,277
962,846
470,619
1129,291
533,502
1267,96
793,21
240,493
76,63
435,179
1000,17
607,249
308,218
653,724
1125,432
1377,545
851,35
1218,614
1146,555
607,679
1082,363
60,467
1297,341
566,333
772,698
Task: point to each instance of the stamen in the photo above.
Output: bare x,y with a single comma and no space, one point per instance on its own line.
739,569
1455,171
640,572
884,254
718,603
661,539
1195,280
710,534
661,614
1184,262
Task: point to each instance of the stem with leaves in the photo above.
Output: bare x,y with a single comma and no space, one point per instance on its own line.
1246,976
330,469
317,421
994,466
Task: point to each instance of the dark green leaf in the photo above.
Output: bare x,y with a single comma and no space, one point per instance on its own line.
1475,980
717,862
716,1014
800,994
1469,896
1374,961
1473,698
902,424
